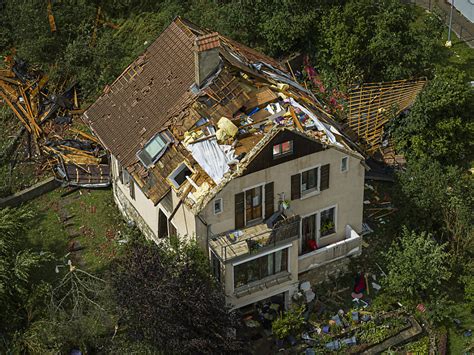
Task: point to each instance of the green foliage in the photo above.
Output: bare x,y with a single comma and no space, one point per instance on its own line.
442,198
373,333
169,300
421,346
365,40
416,265
289,323
440,124
21,293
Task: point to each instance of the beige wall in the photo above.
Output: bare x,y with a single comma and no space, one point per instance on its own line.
345,191
184,220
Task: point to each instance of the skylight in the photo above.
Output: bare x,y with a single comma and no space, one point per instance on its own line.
153,150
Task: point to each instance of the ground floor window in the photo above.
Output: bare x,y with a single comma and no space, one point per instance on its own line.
216,267
260,268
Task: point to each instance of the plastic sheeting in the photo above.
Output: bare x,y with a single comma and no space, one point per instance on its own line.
211,158
319,125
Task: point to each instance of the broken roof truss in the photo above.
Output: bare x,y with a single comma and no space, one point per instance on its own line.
76,157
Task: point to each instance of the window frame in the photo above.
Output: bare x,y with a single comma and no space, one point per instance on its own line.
319,238
346,158
273,251
171,177
166,139
313,191
221,204
335,222
281,154
251,222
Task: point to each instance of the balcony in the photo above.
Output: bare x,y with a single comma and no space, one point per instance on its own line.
351,245
254,239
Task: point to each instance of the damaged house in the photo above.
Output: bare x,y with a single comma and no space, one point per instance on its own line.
212,140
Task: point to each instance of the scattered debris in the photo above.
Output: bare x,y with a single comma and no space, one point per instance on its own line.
76,157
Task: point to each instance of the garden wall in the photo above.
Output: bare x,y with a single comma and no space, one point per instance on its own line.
30,193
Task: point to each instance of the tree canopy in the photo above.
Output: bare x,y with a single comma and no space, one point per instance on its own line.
440,124
365,40
168,299
417,266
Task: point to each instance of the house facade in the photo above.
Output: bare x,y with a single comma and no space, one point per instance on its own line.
213,141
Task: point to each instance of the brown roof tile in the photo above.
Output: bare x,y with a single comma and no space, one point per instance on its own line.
150,91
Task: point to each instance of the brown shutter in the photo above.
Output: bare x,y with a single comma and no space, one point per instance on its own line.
324,177
239,210
269,200
295,186
132,188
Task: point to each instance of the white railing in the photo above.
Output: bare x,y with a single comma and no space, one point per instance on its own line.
352,245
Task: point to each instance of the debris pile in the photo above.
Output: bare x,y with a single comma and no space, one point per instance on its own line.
75,156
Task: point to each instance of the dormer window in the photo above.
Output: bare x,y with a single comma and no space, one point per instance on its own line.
179,175
154,149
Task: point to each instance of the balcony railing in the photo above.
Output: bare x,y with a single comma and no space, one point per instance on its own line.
351,245
254,239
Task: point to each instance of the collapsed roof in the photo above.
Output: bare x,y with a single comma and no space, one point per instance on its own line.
196,107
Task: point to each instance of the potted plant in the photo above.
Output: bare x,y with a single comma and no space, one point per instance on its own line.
327,227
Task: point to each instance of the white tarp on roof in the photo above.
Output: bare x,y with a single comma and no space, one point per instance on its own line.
319,125
211,158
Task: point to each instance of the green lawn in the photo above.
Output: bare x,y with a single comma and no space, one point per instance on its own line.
459,344
460,55
95,223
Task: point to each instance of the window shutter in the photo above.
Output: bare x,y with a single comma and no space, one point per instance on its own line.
239,210
269,200
295,186
132,189
324,177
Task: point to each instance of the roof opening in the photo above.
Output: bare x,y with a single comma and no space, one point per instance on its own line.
153,150
178,176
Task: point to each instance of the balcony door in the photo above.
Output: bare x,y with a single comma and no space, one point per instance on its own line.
253,204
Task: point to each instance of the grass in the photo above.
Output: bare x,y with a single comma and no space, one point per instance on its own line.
95,221
459,344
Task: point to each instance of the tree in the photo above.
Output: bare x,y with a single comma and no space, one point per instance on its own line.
366,40
440,124
21,291
438,199
417,266
168,299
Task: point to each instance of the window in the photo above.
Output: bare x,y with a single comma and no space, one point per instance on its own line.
260,268
253,204
217,205
282,149
153,150
162,224
315,226
344,164
178,176
215,267
125,177
327,224
309,181
308,234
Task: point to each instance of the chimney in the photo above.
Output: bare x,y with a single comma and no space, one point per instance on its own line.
206,56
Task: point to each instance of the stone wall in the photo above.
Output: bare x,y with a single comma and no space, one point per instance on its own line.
30,193
131,214
322,273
